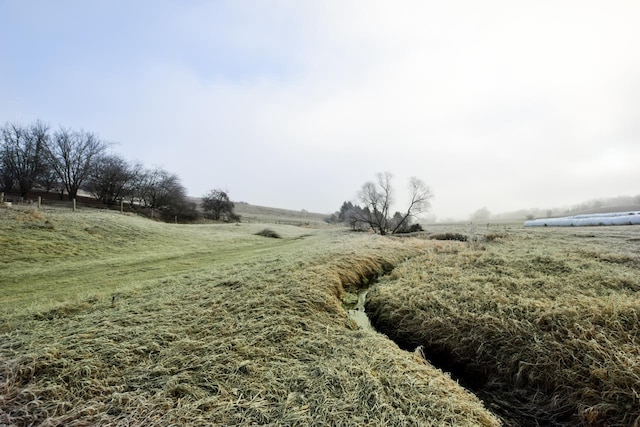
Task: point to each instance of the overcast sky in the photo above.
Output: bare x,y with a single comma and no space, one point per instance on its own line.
295,104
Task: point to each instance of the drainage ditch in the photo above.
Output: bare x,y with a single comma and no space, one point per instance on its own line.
512,407
357,312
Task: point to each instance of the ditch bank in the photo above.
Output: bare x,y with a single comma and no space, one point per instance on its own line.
356,283
513,407
516,407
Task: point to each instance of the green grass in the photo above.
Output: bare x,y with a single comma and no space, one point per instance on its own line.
54,256
546,321
110,319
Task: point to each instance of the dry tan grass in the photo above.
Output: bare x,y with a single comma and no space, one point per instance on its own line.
255,336
546,321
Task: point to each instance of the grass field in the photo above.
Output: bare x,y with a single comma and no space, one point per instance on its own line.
110,319
543,323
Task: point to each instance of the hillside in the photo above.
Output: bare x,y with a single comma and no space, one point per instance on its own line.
254,213
270,215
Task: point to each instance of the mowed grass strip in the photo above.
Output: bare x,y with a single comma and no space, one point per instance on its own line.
254,334
547,321
55,256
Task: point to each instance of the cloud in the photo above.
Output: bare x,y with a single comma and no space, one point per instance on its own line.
295,104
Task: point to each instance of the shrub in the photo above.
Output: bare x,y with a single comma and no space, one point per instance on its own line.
449,236
268,233
414,228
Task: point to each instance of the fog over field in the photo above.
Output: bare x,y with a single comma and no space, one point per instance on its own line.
503,104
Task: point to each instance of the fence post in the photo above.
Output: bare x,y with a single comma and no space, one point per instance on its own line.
74,205
39,202
2,197
176,219
121,206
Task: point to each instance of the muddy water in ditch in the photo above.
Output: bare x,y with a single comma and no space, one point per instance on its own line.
357,312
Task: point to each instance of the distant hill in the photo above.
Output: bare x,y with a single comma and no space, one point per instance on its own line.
254,213
613,204
607,209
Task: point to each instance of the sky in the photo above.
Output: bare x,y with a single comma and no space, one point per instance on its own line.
296,104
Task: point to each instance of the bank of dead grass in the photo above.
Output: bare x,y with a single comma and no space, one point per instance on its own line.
551,331
258,338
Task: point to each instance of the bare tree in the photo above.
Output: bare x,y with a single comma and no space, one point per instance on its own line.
72,155
378,197
420,202
158,189
110,178
168,191
6,178
23,151
134,187
218,206
48,180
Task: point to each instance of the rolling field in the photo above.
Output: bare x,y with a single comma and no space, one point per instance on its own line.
110,319
262,214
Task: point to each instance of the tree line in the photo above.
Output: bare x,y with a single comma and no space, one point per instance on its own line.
65,161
